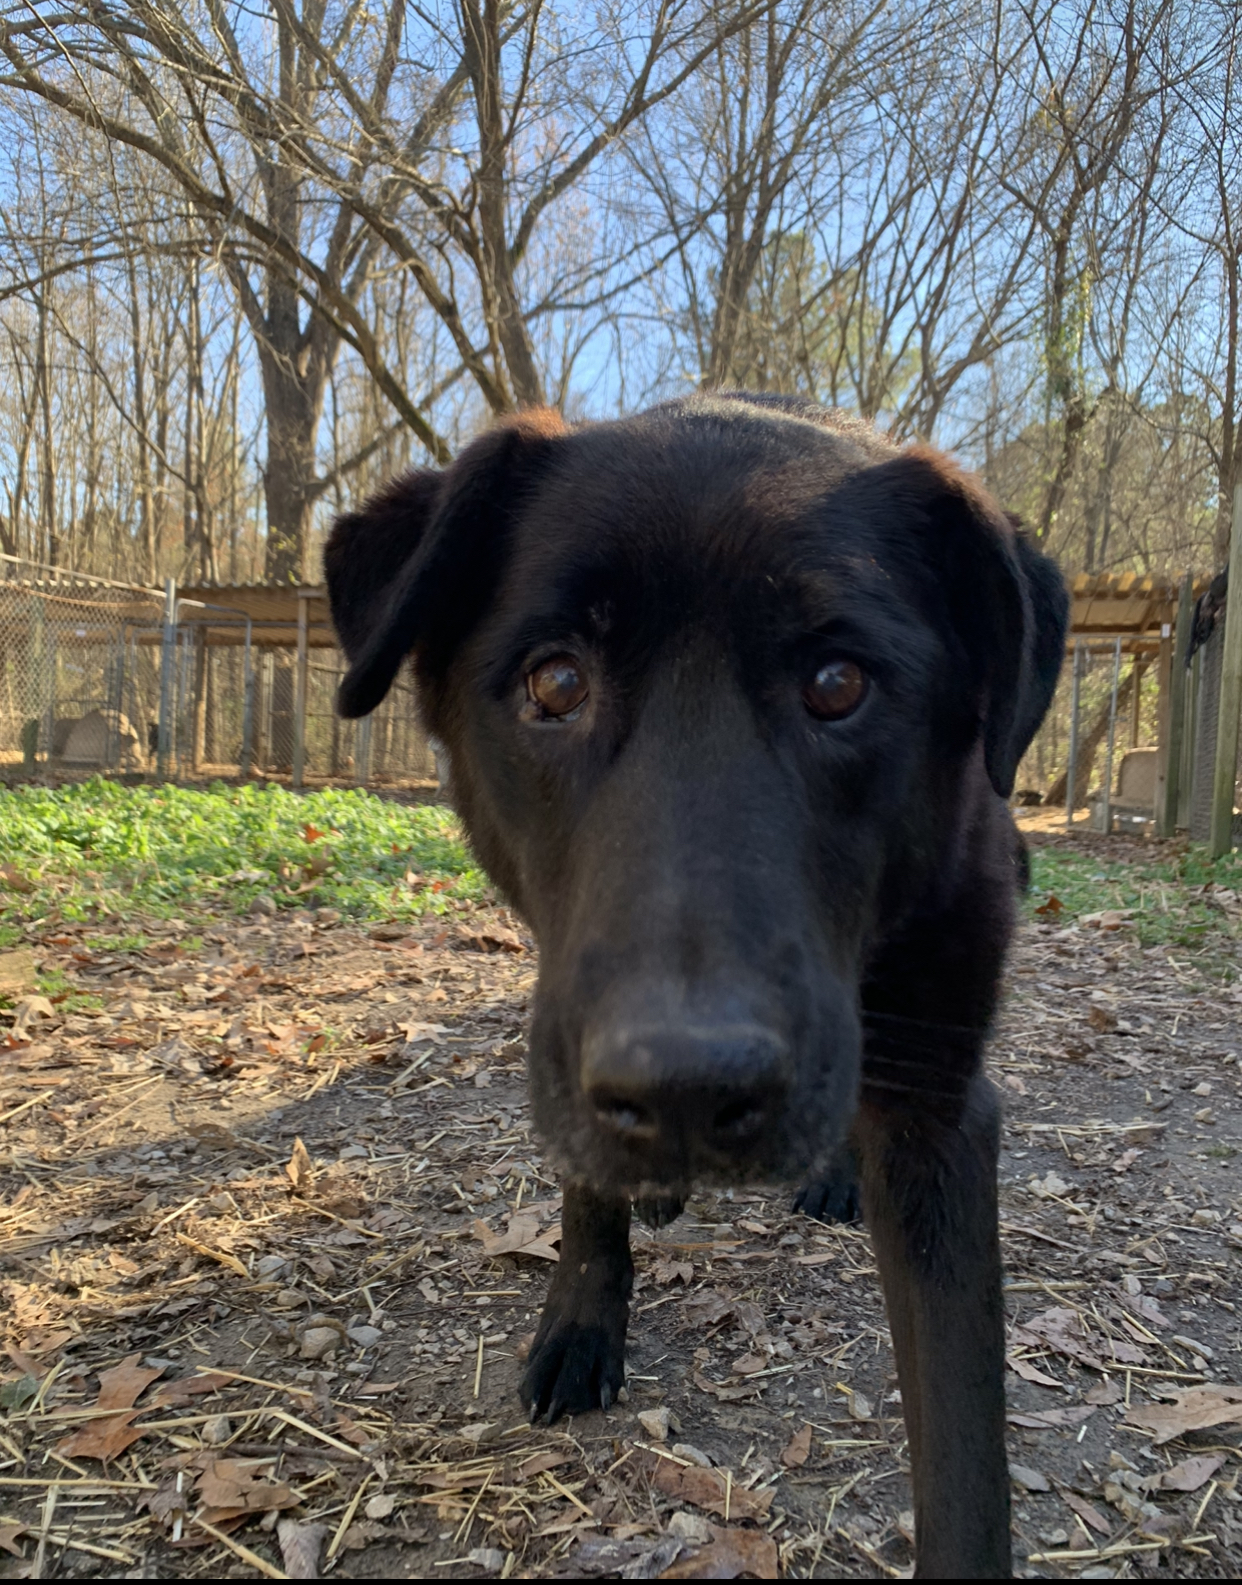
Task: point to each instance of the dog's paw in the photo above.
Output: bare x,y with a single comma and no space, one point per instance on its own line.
573,1368
658,1210
833,1198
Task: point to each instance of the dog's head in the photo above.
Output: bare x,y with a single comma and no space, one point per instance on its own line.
716,684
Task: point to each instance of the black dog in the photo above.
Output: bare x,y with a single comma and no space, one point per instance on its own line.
733,694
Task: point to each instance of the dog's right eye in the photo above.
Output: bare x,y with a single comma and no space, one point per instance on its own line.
836,690
557,685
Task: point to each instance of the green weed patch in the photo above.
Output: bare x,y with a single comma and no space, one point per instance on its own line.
1172,899
99,850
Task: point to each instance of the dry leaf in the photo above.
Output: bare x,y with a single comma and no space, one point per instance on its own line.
176,1394
1037,1418
300,1545
799,1449
1196,1409
706,1489
522,1237
1063,1331
102,1439
724,1393
731,1552
299,1168
1189,1475
13,878
10,1529
119,1388
1028,1372
1086,1511
666,1271
538,1462
29,1010
233,1486
749,1365
1104,1393
381,1505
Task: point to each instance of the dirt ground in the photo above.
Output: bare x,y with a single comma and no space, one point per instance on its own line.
275,1233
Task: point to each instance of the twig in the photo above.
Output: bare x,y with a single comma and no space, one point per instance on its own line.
243,1552
347,1518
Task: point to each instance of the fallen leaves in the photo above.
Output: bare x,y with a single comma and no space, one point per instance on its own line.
10,1529
123,1385
1192,1409
710,1489
108,1437
1189,1475
521,1237
1086,1511
798,1450
1064,1331
299,1168
230,1488
300,1545
731,1552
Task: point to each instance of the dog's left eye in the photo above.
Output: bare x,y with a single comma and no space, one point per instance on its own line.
836,690
557,685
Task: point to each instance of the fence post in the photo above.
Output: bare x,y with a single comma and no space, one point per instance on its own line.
299,697
247,748
1166,812
1112,738
168,662
1071,774
1221,835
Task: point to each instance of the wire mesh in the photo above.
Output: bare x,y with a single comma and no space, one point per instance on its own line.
79,680
89,671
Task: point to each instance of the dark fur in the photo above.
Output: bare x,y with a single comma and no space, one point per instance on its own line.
768,944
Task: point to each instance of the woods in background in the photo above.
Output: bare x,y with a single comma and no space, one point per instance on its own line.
256,257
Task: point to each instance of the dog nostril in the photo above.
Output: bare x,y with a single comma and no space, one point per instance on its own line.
625,1118
739,1119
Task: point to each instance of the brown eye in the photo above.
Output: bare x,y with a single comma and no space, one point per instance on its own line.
836,690
557,685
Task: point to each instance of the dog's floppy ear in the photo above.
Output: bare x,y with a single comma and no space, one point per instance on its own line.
413,570
1007,604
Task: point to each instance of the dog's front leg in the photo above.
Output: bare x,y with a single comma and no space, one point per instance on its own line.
929,1193
577,1361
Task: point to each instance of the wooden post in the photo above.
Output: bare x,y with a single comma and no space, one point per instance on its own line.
299,696
1071,775
1173,718
1221,839
1112,738
168,659
1136,702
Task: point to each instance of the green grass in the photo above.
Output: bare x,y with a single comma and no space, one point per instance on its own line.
1171,894
99,850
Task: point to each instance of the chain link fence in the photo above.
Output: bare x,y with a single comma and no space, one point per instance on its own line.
79,676
102,676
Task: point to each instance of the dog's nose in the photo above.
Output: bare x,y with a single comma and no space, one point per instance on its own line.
673,1091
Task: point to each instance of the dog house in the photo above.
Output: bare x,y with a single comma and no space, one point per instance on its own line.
1147,619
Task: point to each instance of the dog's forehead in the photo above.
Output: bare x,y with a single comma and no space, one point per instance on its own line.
712,492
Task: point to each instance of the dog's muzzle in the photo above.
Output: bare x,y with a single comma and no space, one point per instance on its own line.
679,1099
